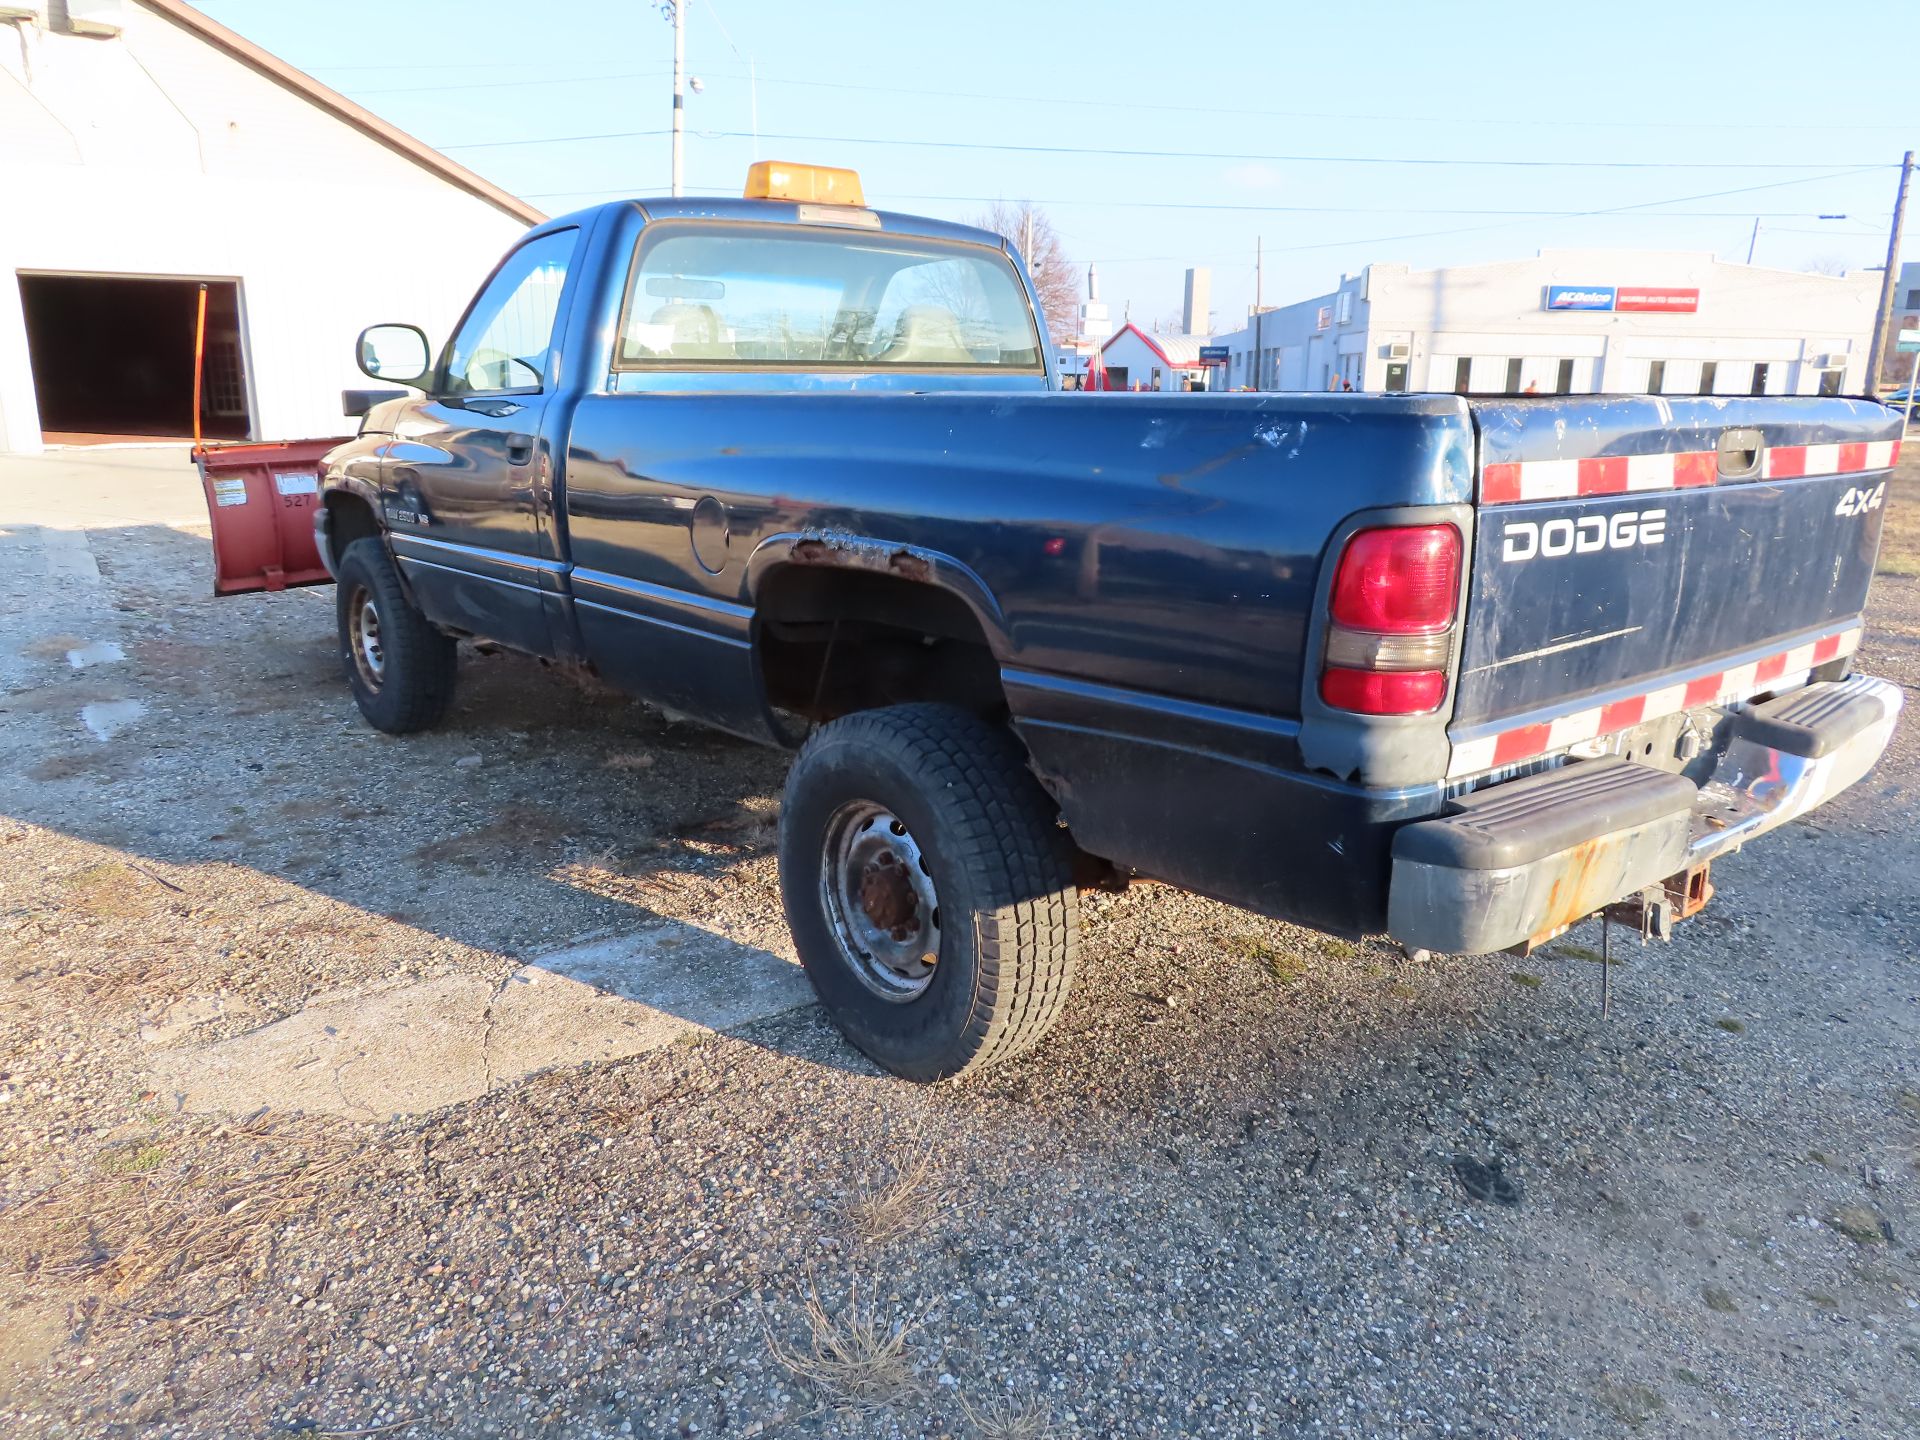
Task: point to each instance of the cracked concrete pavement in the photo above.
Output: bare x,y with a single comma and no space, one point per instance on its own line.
405,1050
372,1050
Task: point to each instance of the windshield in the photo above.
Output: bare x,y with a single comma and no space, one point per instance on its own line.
737,296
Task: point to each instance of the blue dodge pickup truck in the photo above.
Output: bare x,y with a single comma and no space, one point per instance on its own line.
1464,671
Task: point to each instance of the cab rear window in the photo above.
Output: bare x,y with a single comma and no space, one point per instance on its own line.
737,297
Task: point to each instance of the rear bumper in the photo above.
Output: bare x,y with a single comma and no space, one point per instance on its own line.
1529,857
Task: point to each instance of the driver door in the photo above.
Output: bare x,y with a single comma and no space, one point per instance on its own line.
469,476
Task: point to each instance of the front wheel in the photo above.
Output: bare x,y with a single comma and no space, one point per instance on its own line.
400,667
929,888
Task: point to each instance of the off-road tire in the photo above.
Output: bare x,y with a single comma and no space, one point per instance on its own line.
415,683
999,861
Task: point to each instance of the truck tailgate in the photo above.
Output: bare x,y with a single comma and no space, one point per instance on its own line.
1635,556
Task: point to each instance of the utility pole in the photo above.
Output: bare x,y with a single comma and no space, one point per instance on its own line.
1755,240
1883,318
1026,245
679,12
1259,356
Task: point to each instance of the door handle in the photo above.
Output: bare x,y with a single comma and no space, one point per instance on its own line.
519,449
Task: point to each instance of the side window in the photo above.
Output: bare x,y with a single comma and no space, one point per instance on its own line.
503,344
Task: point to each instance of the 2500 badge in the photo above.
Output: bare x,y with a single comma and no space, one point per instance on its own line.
1622,530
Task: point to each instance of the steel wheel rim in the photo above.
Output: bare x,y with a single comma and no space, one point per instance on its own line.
880,901
363,637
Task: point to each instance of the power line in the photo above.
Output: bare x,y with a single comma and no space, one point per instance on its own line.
1584,214
1109,202
1514,217
503,84
1433,161
1369,209
1087,102
1506,121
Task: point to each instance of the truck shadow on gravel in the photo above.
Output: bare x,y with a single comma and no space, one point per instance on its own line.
260,854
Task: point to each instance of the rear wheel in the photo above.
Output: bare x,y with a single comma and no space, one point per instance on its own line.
929,888
400,667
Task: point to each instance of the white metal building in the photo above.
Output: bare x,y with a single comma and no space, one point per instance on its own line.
1569,321
1135,360
148,149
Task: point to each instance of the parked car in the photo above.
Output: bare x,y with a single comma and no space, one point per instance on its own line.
1465,671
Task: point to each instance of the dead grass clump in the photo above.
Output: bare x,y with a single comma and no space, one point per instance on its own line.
903,1206
857,1358
1004,1418
518,830
66,764
1627,1401
1900,540
142,1221
1287,968
108,891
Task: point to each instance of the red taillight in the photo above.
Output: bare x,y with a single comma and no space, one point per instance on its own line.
1394,596
1399,580
1384,692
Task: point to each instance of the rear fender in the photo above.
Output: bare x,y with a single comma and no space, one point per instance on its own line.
838,550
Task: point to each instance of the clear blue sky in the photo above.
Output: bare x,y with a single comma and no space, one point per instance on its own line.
1744,94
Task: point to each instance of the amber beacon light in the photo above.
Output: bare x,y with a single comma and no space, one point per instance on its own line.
808,184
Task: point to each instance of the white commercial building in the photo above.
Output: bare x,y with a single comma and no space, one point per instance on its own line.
1569,321
1897,364
1135,360
147,151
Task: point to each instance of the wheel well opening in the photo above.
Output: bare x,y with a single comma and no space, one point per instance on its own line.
349,518
835,641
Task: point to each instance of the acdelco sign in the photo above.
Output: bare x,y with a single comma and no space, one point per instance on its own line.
1654,299
1579,297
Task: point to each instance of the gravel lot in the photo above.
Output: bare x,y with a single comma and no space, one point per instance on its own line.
1222,1200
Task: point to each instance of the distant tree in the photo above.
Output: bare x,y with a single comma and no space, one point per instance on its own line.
1825,265
1055,277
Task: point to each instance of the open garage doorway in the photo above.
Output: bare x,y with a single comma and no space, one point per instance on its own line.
112,358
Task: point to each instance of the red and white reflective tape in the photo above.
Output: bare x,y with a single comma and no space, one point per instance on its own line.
1510,482
1783,671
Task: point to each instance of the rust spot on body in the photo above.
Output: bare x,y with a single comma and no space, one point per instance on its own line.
862,556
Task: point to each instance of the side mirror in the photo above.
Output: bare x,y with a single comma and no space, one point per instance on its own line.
398,354
359,402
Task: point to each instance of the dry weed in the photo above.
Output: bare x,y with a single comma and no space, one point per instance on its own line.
137,1224
108,891
516,831
858,1358
901,1207
1004,1418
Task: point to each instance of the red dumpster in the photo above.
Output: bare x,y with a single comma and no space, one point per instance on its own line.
261,498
